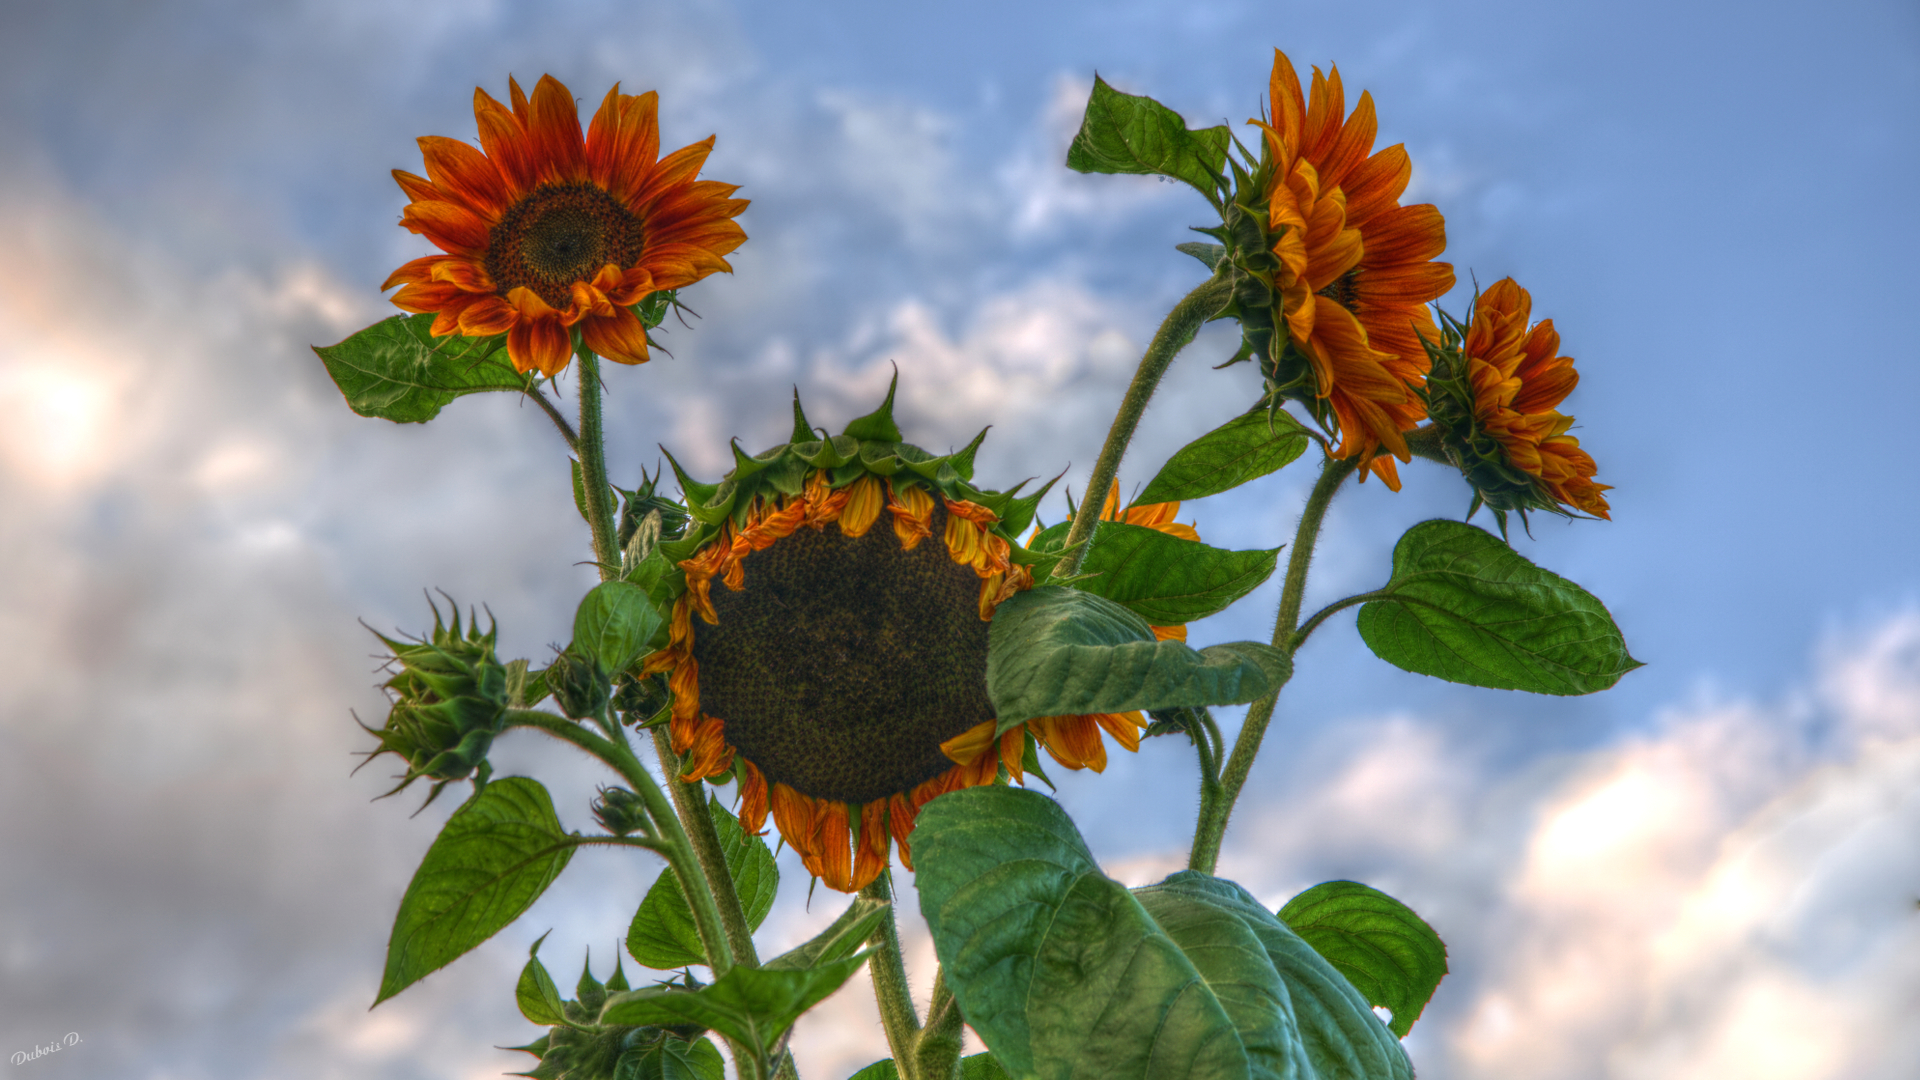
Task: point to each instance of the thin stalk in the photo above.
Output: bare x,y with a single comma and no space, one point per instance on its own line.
553,414
1175,332
1307,628
1212,826
889,972
1208,749
706,847
936,1053
678,849
591,447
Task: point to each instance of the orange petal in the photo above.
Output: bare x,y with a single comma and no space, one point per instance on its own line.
538,340
452,227
753,799
488,316
503,137
619,336
467,175
553,131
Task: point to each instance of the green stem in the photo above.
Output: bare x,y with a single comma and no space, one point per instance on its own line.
687,799
936,1053
553,414
1212,826
677,849
890,992
1307,628
591,446
1208,749
1175,332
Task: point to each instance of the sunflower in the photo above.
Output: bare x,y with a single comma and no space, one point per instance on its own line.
546,230
1495,393
1356,268
828,645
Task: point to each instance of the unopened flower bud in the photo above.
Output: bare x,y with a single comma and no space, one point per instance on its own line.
579,685
450,700
620,811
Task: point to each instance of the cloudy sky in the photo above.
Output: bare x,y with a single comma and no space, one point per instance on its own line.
1710,870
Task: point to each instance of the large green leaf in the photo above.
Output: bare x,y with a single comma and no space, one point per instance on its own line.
663,934
751,1005
1342,1036
397,370
1054,651
1122,133
1244,448
1386,951
613,623
1170,580
1465,607
1064,973
491,861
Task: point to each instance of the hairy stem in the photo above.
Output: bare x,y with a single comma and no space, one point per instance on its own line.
677,849
1212,827
553,414
889,972
591,446
687,799
1175,332
936,1053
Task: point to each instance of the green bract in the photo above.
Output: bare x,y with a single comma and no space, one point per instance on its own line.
870,445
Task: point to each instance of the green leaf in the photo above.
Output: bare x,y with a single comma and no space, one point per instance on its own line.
1465,607
663,934
1386,951
1063,972
1053,651
672,1059
613,623
491,861
1170,580
752,1005
1342,1036
884,1069
1244,448
538,997
845,937
1122,133
397,370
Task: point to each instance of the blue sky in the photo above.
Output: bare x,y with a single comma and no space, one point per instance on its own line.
1713,202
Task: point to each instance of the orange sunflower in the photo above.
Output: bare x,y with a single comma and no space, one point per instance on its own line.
1504,382
547,230
839,671
1356,267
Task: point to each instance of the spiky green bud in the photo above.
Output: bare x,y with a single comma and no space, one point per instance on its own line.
579,685
449,701
620,811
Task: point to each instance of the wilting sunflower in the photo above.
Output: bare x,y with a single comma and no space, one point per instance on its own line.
827,645
1494,393
1356,267
547,230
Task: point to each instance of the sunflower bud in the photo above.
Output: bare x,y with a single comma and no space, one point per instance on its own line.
639,700
620,811
579,685
450,700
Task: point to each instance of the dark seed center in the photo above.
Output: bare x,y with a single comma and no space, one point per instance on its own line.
843,664
1341,291
560,234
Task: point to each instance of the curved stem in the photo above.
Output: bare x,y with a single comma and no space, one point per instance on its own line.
553,414
706,847
1307,628
1206,744
1209,831
677,849
936,1053
591,446
889,972
1175,332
